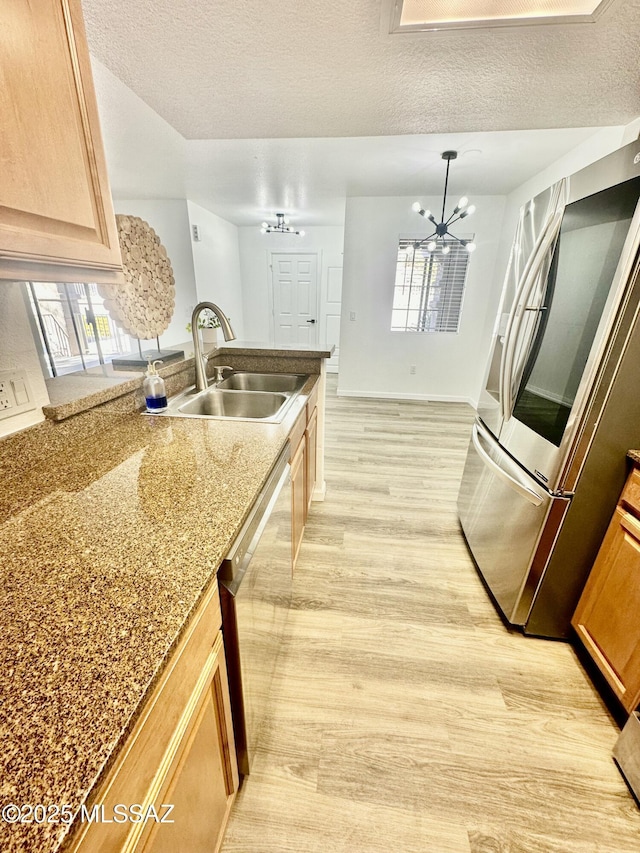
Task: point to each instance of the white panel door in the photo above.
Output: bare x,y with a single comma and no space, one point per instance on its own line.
295,299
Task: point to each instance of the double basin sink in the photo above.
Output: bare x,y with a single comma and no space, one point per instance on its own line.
244,396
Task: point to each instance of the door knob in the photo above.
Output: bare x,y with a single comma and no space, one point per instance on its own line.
310,321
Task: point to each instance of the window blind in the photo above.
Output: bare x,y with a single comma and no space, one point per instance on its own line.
429,288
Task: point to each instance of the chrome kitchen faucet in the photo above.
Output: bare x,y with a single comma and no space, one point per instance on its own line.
200,358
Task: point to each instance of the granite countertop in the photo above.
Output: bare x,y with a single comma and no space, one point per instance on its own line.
263,348
111,531
634,456
78,392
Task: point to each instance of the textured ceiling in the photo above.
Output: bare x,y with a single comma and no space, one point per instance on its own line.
322,68
310,178
248,180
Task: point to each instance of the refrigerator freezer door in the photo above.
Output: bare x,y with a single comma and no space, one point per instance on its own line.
504,514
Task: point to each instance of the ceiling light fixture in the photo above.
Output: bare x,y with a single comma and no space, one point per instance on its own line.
281,227
442,238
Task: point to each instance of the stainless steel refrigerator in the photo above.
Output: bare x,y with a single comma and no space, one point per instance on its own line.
561,403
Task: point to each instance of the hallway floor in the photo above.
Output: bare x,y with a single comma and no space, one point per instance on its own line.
404,715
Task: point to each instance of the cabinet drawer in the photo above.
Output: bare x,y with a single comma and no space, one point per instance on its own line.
148,748
631,493
297,432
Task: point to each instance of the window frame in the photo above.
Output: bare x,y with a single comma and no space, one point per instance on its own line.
429,290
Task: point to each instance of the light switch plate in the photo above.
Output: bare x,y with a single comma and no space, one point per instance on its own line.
16,396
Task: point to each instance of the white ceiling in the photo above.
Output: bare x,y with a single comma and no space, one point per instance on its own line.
249,107
310,178
233,69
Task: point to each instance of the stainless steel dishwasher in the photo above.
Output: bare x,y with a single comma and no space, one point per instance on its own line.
255,594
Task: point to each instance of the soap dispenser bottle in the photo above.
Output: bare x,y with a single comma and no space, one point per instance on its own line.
155,393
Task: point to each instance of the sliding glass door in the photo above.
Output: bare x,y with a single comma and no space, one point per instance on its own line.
74,328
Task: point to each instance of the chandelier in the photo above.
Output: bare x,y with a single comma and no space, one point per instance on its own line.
281,227
442,238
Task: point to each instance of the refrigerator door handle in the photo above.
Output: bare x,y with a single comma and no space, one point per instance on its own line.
543,246
529,494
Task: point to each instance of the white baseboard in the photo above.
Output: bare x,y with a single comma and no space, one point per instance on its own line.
319,491
393,395
548,395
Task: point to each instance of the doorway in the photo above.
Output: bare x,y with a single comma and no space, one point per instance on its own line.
294,284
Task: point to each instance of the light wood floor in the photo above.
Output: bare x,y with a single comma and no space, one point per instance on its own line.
405,716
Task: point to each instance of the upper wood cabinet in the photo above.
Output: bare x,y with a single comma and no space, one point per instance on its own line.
606,619
56,214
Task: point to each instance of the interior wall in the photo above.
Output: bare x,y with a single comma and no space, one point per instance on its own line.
169,218
216,261
18,351
377,362
255,258
145,155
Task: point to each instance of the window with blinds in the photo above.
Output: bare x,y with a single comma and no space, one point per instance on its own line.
429,288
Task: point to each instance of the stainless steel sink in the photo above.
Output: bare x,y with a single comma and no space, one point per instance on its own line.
263,397
278,382
218,403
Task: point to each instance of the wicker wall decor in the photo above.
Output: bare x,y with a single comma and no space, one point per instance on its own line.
142,306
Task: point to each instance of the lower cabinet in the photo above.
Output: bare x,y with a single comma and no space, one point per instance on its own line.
311,444
298,497
606,619
179,762
304,457
201,783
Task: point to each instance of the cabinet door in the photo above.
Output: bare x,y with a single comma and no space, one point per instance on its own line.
56,214
311,440
181,752
606,619
202,780
298,497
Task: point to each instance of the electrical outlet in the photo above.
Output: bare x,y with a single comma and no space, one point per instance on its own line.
5,398
15,393
412,369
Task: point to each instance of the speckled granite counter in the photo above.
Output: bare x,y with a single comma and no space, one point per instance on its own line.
112,525
634,456
78,392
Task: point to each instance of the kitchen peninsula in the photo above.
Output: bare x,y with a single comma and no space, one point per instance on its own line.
114,524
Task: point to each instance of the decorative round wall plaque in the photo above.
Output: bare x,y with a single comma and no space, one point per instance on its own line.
142,306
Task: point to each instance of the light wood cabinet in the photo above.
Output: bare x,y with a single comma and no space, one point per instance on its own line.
201,784
56,215
298,497
304,462
181,753
311,445
606,619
